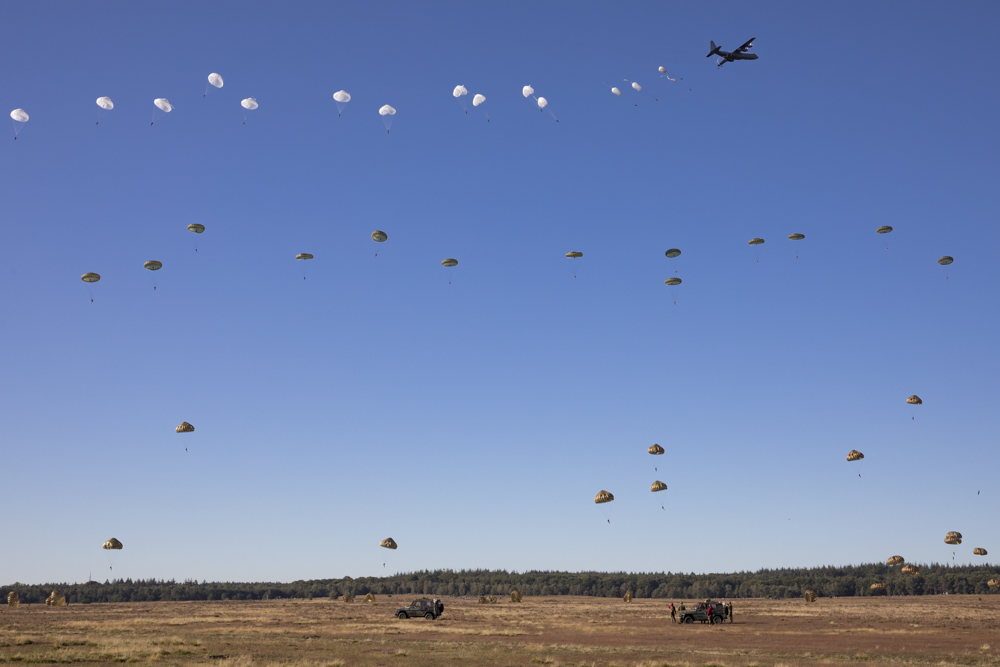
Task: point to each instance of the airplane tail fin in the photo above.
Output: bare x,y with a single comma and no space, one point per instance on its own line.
715,49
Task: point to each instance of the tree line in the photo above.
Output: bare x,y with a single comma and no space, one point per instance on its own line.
828,581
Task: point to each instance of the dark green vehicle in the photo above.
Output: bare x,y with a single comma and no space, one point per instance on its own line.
429,609
700,613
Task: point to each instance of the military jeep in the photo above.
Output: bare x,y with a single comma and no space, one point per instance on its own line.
429,609
700,613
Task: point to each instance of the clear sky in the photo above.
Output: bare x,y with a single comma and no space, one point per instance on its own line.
473,413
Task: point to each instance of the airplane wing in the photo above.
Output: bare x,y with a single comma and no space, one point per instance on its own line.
746,46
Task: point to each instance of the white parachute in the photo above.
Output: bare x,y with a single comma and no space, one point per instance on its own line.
616,91
527,91
459,94
341,97
542,103
20,117
163,104
249,104
478,99
387,112
215,80
636,86
105,103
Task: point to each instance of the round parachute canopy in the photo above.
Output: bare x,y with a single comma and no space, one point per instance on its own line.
855,455
249,103
895,560
152,265
673,252
303,255
527,91
459,91
56,599
993,583
574,253
342,96
658,486
105,103
979,551
112,544
655,449
636,86
910,569
616,91
914,400
20,115
196,228
90,277
163,104
796,237
184,427
756,241
809,596
884,229
386,110
388,543
952,533
952,540
478,99
449,262
878,587
542,102
379,236
12,599
215,80
672,281
946,260
663,70
603,497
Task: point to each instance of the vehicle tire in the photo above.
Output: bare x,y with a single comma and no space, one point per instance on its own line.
429,616
689,619
402,616
716,620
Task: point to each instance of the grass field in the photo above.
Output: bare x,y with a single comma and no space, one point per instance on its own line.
559,631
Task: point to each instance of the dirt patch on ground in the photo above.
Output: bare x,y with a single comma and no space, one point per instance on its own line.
559,631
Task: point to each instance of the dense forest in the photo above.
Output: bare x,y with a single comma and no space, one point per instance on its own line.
785,583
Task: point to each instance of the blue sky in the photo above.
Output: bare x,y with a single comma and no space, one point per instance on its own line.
473,413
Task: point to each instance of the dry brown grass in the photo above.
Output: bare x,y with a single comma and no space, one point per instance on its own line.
557,631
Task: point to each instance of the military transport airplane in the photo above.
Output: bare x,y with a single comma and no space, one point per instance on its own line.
730,56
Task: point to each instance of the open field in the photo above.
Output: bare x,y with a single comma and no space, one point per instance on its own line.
558,631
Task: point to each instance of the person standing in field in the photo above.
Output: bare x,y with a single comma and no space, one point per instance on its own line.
708,612
730,612
673,613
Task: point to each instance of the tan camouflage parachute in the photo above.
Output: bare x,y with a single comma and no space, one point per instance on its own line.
658,486
756,241
910,569
796,237
575,253
884,229
809,596
379,236
184,427
515,596
388,543
895,560
954,533
953,538
12,599
348,598
673,252
672,281
914,400
946,260
487,599
303,255
449,262
90,277
152,265
370,598
993,583
655,449
57,599
196,228
603,497
878,587
628,597
112,544
855,455
979,551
